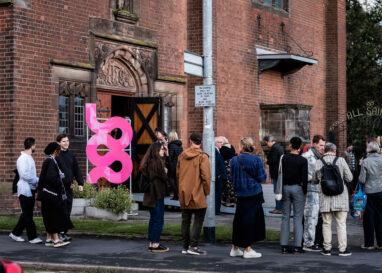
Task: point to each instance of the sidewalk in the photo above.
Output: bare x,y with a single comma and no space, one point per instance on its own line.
121,255
272,221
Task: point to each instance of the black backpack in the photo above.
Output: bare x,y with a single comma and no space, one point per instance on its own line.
144,183
15,181
331,182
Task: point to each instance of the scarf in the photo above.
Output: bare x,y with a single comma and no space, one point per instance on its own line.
316,153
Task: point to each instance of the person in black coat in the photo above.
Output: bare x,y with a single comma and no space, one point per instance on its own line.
273,160
69,165
174,150
52,194
220,175
228,152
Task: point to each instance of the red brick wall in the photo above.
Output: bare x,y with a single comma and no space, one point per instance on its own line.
6,93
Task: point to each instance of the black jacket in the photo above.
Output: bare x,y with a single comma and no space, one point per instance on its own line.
174,150
273,159
69,166
50,177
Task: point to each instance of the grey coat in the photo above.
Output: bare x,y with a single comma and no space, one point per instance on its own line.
338,202
371,173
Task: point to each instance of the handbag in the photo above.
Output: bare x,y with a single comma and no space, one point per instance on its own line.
279,185
358,202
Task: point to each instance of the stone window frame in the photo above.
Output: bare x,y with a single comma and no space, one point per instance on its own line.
71,90
260,4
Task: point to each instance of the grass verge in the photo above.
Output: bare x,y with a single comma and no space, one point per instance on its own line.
128,229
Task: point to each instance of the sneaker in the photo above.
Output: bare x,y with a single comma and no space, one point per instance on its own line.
49,243
184,251
285,249
251,254
297,250
160,248
344,253
196,251
367,247
326,252
313,248
60,243
16,238
36,240
236,252
64,237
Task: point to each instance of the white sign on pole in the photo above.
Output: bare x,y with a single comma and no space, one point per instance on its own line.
193,64
205,95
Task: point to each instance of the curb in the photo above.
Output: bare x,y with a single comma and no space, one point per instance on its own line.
37,266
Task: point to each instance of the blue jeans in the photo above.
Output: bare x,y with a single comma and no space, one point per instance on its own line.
279,204
156,221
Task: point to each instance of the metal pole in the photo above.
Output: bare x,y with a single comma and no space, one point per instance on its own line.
208,132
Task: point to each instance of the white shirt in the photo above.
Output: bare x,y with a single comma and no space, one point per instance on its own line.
27,172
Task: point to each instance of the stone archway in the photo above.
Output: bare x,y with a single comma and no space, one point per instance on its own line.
121,70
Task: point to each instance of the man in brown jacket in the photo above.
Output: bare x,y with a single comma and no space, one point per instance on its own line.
193,173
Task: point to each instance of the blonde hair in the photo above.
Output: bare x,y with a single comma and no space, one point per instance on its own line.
173,136
224,139
247,144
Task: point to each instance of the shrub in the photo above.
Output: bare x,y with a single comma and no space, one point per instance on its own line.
89,191
116,200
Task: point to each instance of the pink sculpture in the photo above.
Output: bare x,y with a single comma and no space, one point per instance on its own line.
116,146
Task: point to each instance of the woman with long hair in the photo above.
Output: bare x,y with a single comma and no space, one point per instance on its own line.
153,167
247,172
174,149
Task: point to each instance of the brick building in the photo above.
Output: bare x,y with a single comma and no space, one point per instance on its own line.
279,68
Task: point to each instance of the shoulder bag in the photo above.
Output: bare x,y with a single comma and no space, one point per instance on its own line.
279,185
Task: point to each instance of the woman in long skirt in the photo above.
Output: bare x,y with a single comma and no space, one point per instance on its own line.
247,172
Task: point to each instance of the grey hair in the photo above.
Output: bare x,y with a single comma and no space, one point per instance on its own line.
330,147
372,147
269,138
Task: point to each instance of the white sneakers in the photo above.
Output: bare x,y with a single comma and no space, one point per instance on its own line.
251,254
236,252
245,254
16,238
36,240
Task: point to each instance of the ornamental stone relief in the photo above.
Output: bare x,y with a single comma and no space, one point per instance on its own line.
115,73
68,88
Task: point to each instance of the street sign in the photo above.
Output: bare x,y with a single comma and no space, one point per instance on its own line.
205,95
193,64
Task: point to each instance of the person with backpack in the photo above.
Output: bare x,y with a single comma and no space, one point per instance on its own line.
371,176
153,168
331,172
26,189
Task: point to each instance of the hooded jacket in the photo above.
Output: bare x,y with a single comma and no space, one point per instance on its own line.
193,173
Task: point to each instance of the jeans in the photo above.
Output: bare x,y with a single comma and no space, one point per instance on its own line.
218,195
26,217
196,227
311,212
341,229
372,219
156,221
292,195
279,204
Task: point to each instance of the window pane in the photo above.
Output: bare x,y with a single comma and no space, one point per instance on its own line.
268,2
279,4
63,118
79,116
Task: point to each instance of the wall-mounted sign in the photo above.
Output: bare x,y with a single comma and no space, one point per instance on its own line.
193,64
205,95
102,136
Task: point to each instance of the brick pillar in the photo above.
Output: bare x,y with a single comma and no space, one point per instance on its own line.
336,68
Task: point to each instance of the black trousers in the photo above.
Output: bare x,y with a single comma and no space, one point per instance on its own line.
68,203
26,217
319,239
196,227
372,219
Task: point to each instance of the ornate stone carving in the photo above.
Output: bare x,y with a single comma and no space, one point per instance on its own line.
68,88
115,73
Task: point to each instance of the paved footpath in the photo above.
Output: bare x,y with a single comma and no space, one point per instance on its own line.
119,255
